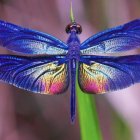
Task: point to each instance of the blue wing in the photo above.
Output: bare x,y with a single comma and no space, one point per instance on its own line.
28,41
47,75
101,74
117,39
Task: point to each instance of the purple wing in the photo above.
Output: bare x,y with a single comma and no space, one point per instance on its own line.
28,41
121,38
46,75
100,74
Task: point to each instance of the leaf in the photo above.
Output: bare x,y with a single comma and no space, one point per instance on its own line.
88,118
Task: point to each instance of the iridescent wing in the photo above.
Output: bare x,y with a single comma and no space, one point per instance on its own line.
28,41
101,74
117,39
46,75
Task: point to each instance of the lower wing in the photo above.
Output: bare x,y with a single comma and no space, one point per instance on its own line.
46,75
101,74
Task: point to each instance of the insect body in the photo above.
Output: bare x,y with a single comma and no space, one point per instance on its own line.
73,56
55,70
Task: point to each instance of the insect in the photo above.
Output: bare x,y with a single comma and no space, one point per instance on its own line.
49,66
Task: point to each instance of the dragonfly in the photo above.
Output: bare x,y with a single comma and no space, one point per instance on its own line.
47,65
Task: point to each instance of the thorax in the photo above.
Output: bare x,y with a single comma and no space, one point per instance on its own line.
74,47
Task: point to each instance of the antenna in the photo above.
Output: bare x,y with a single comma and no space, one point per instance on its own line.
71,14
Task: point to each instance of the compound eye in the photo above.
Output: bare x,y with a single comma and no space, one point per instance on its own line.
68,28
79,29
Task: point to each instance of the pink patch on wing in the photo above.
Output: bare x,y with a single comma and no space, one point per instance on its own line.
93,87
56,87
90,87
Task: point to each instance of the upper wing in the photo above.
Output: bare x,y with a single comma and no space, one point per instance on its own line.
47,75
28,41
98,74
117,39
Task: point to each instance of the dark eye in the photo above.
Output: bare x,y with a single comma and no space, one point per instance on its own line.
78,29
68,28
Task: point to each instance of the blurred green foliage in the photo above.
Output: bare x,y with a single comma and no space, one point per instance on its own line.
120,129
95,13
88,118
